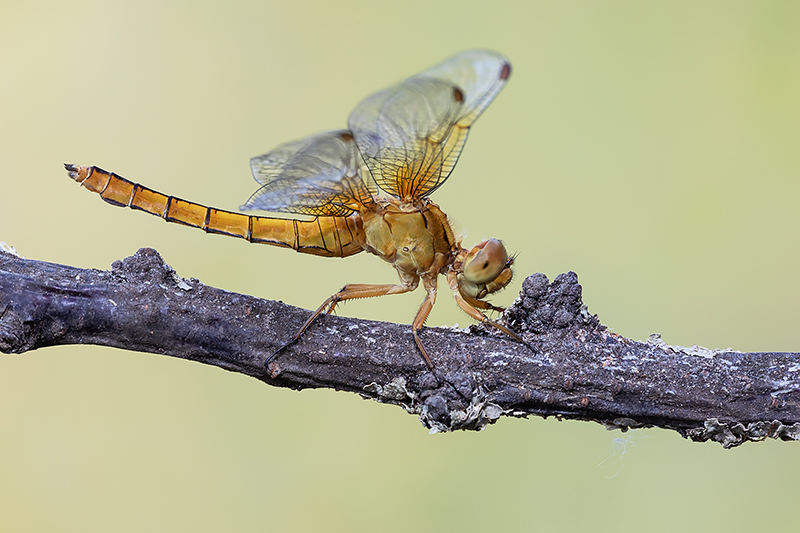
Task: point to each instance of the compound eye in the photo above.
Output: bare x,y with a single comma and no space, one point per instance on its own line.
485,262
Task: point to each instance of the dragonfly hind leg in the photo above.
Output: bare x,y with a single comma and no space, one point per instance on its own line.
348,292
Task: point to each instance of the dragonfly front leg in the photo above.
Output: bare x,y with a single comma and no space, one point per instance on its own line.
480,304
467,304
348,292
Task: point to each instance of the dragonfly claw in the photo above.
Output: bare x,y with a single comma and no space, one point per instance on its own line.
277,352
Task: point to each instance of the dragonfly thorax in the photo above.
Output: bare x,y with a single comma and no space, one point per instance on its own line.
416,240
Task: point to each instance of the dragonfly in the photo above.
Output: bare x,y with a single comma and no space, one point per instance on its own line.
366,189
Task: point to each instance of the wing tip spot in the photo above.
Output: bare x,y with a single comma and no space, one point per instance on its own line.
505,72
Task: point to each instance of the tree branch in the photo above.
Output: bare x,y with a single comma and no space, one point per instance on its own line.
577,370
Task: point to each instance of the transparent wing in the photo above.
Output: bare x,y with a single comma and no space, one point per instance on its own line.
317,176
480,74
411,135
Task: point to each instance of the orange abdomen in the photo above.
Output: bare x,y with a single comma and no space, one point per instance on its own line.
325,236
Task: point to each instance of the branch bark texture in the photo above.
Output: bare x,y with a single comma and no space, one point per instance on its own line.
577,369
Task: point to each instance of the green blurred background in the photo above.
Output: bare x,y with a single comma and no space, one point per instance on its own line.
653,148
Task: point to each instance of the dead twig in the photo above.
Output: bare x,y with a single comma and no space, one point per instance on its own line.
576,370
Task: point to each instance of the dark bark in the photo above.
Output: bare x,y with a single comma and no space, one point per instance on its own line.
573,369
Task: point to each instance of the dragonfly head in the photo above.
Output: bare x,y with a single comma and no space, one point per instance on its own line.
487,269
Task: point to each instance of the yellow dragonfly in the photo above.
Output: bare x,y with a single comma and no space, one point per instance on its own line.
367,189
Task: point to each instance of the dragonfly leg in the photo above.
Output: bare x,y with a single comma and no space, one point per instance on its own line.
480,304
348,292
419,320
467,305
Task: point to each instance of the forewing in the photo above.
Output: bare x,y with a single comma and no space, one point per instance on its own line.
480,74
317,176
403,133
411,135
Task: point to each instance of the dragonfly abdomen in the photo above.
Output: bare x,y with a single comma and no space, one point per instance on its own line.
325,236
